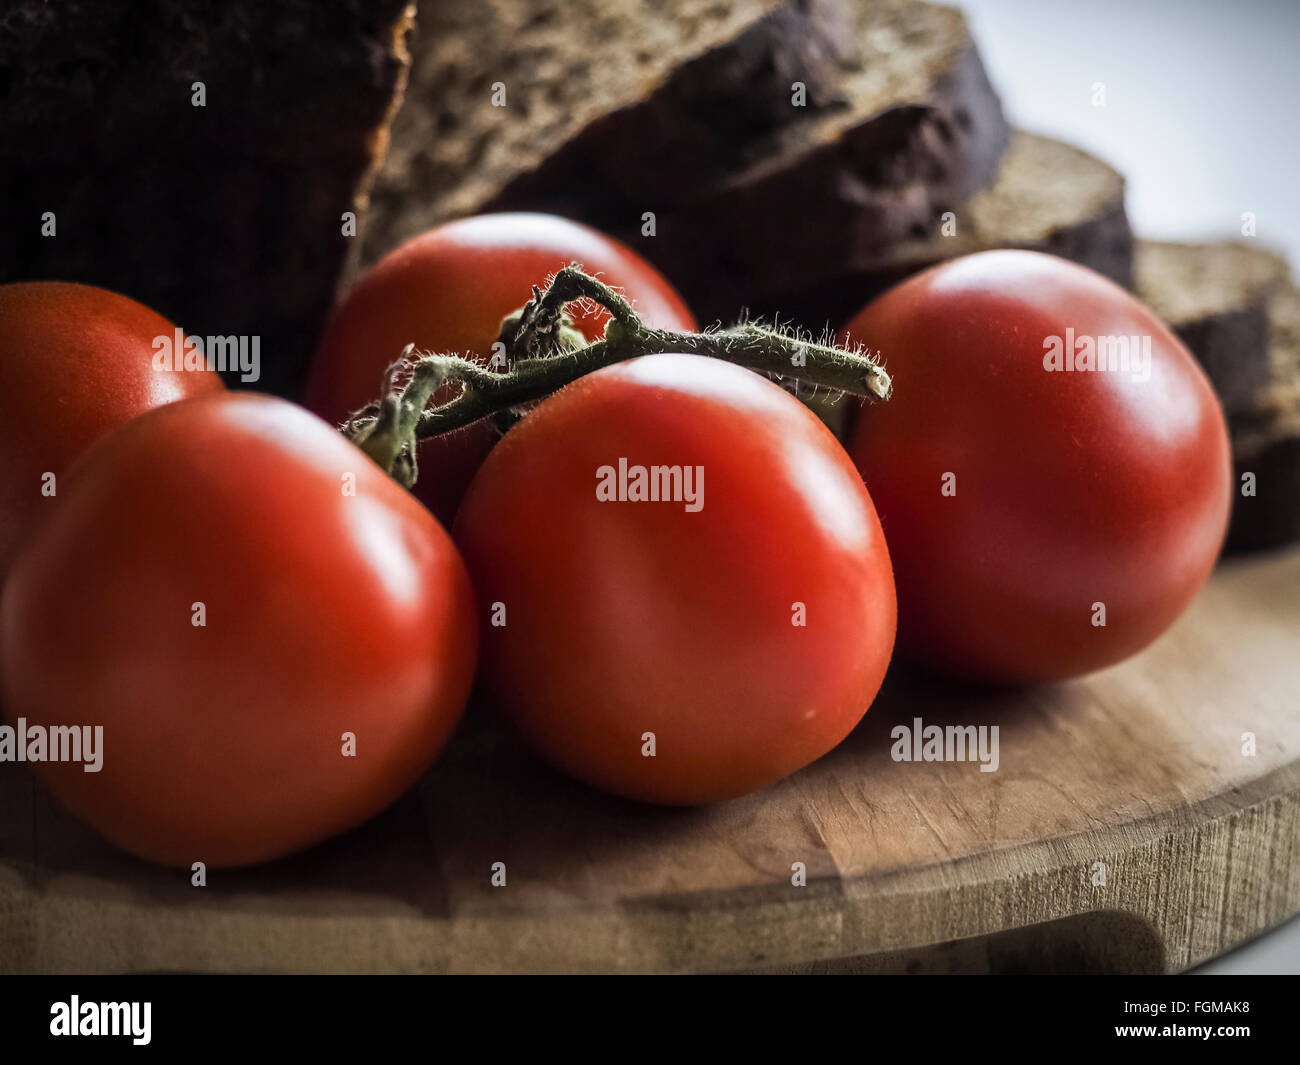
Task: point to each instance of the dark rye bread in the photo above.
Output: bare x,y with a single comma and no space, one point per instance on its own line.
226,218
1216,297
690,116
1232,304
1048,196
593,89
1266,440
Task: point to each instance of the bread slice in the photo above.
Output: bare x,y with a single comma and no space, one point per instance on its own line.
1266,440
1216,297
601,97
1048,196
225,218
1233,305
690,115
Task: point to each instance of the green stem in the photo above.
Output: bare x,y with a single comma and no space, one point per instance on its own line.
752,346
545,353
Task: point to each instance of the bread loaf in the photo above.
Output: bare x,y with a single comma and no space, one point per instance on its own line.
226,218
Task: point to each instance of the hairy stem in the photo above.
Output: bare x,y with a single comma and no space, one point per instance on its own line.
750,345
545,353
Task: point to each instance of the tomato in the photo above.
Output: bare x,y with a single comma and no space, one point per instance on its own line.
230,588
1045,519
744,636
75,361
447,291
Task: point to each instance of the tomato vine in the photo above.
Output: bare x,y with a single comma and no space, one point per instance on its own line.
544,353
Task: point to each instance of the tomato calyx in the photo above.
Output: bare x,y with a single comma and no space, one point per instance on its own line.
544,352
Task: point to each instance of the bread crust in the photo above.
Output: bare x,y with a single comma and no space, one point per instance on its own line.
1216,297
1023,208
1266,440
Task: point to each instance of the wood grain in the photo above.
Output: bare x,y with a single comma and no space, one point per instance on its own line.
912,867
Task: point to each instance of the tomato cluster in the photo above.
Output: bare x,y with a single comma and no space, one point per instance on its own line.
673,573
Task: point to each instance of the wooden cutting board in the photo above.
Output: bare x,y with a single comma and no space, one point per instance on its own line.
910,866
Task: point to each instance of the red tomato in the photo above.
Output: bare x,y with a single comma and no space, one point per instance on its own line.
748,635
447,291
323,613
75,361
1043,522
